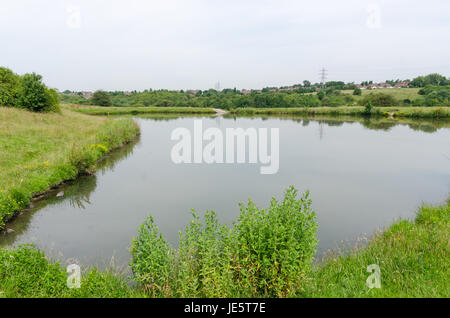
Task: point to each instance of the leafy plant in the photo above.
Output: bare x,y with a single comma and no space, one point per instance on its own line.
368,109
152,258
34,95
267,253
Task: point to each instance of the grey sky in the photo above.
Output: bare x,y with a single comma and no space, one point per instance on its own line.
133,44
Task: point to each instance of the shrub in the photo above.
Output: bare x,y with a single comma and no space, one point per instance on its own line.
357,91
368,109
334,100
9,84
275,246
101,98
152,258
35,96
267,253
380,99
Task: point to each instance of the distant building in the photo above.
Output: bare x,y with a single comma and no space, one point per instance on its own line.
402,84
192,92
87,95
384,85
284,89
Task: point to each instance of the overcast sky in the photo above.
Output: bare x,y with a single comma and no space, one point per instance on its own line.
134,44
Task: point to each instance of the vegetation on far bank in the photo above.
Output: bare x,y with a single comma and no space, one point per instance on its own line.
400,112
430,90
40,150
250,259
96,110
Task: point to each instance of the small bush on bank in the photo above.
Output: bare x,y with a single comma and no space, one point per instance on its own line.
267,253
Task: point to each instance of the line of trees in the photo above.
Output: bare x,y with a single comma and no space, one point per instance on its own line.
27,91
306,95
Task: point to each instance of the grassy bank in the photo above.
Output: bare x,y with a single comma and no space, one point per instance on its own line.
98,110
397,93
400,112
39,151
413,259
412,256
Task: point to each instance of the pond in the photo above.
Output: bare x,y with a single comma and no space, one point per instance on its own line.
362,175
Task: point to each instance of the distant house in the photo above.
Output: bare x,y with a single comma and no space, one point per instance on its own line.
128,93
192,92
361,86
284,89
384,85
87,95
246,91
402,84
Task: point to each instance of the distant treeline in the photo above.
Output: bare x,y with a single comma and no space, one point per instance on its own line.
26,91
435,93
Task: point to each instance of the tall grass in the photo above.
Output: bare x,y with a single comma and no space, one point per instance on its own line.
39,151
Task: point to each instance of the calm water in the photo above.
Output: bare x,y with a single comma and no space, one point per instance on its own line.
362,177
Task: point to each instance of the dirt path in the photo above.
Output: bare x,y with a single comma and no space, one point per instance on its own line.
220,111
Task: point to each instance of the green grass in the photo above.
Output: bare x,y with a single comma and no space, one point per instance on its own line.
98,110
27,272
413,258
38,151
399,112
397,93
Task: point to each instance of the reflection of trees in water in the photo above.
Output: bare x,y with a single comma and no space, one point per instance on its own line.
374,123
77,192
112,159
378,125
169,117
331,122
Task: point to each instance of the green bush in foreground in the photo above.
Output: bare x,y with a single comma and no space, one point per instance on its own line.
267,253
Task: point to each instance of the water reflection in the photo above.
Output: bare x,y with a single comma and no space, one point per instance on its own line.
373,123
76,193
362,173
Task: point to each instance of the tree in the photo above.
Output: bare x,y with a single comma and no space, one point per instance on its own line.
9,85
34,95
321,94
101,98
380,99
430,79
368,109
357,91
306,83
